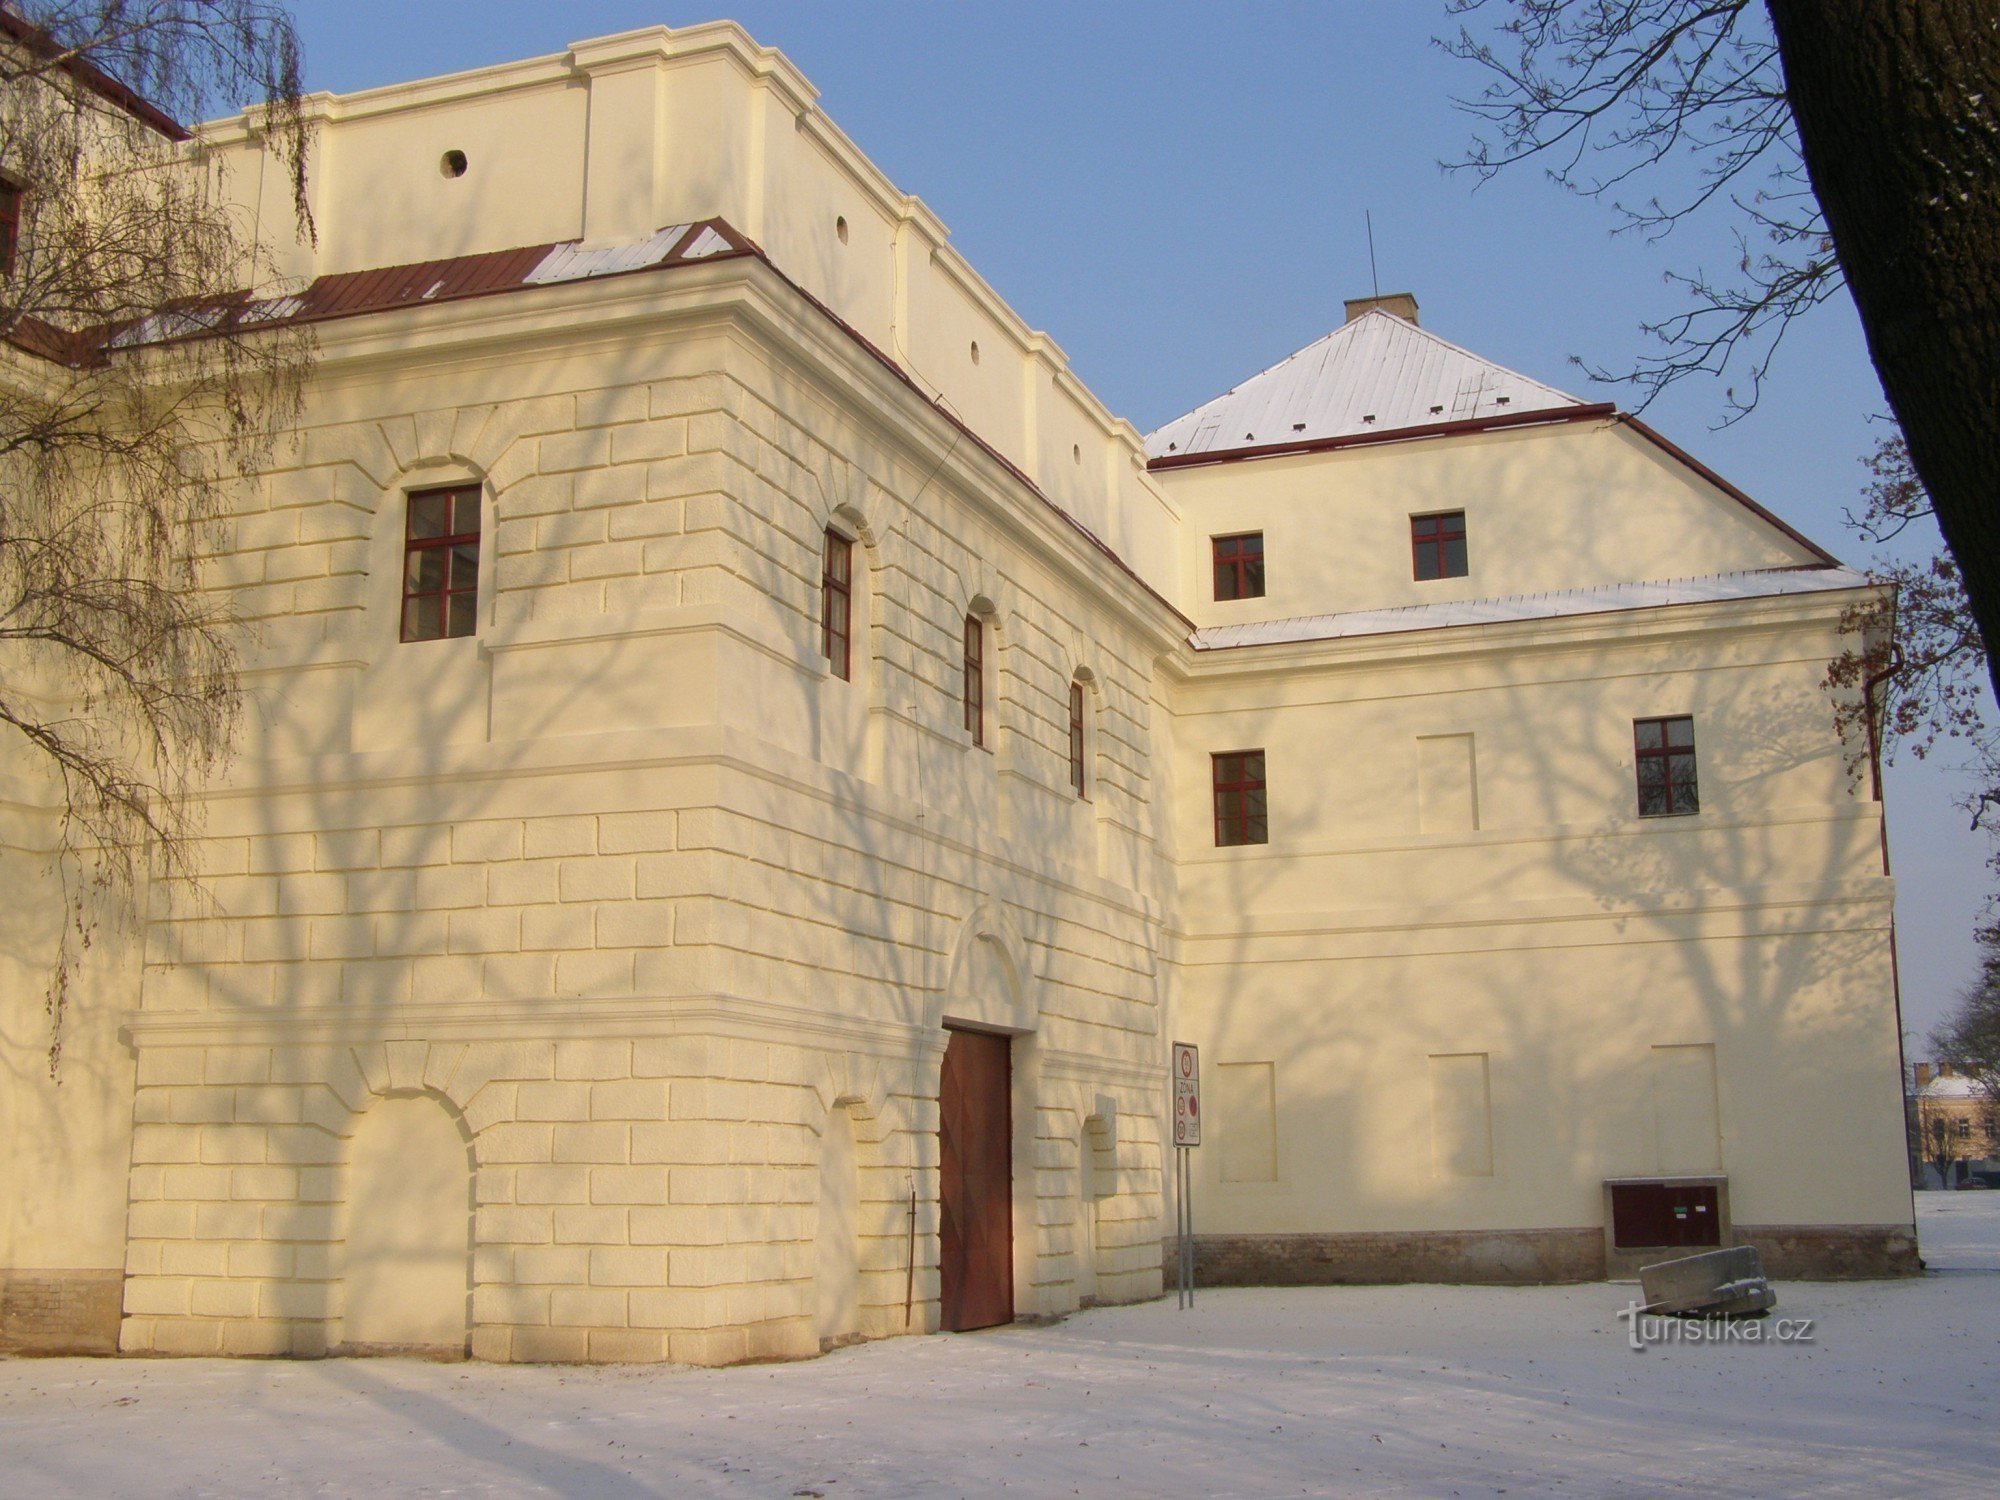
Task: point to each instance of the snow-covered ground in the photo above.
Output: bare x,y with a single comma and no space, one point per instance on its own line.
1366,1391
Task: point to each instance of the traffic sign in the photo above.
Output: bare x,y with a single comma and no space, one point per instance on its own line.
1187,1095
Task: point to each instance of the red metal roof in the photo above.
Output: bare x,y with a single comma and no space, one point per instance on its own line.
38,41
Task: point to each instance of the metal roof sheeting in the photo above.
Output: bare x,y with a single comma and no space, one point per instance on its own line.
1379,373
573,262
1602,599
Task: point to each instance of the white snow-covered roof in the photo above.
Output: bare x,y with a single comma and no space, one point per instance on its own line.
1600,599
1379,373
1952,1086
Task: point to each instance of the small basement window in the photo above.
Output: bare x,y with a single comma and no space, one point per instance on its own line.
1239,565
441,564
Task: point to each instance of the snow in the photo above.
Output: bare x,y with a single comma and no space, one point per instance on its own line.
1596,599
1419,1390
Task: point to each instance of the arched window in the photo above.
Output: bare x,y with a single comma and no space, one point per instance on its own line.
1079,781
836,605
441,563
975,679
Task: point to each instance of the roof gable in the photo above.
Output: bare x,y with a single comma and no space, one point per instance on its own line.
1378,373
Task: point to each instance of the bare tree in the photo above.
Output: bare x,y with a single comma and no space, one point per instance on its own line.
1937,1135
1855,145
1969,1036
1918,678
137,386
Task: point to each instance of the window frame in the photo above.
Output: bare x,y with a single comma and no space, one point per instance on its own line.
974,686
1079,776
1664,754
1242,828
1236,564
1435,545
448,542
836,590
13,198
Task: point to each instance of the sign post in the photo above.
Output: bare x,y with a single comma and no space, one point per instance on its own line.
1187,1135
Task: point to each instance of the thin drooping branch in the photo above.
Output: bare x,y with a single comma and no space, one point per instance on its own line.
122,446
1607,96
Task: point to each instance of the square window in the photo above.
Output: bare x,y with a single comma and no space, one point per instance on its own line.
441,564
1437,545
1241,810
1664,754
836,603
1239,566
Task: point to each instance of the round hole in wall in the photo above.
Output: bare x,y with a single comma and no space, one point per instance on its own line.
452,163
975,351
840,228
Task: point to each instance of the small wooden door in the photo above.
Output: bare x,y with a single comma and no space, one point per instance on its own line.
976,1157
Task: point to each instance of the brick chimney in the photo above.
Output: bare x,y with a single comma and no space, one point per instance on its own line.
1921,1074
1398,304
1944,1070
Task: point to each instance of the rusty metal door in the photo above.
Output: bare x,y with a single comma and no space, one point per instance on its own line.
976,1156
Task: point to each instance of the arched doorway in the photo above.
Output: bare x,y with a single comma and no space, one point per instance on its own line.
836,1241
407,1257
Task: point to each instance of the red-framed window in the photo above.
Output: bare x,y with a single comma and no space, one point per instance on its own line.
10,224
1077,779
975,679
1437,545
1239,565
836,603
1664,750
441,563
1240,807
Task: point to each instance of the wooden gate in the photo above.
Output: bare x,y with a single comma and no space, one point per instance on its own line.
976,1230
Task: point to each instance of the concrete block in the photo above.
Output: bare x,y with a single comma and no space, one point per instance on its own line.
515,1142
627,1346
636,924
593,1060
559,1100
552,1265
551,1346
627,1185
551,837
1719,1283
580,1224
636,1099
548,1184
186,1336
527,1305
587,1144
587,1307
708,1346
628,1266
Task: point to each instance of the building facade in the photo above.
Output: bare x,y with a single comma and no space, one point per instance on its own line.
749,764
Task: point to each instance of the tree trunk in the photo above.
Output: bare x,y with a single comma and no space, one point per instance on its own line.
1898,110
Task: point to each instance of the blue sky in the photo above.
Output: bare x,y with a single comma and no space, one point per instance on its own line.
1176,194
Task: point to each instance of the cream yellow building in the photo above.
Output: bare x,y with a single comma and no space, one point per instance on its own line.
711,665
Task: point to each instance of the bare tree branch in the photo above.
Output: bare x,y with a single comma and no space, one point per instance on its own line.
122,447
